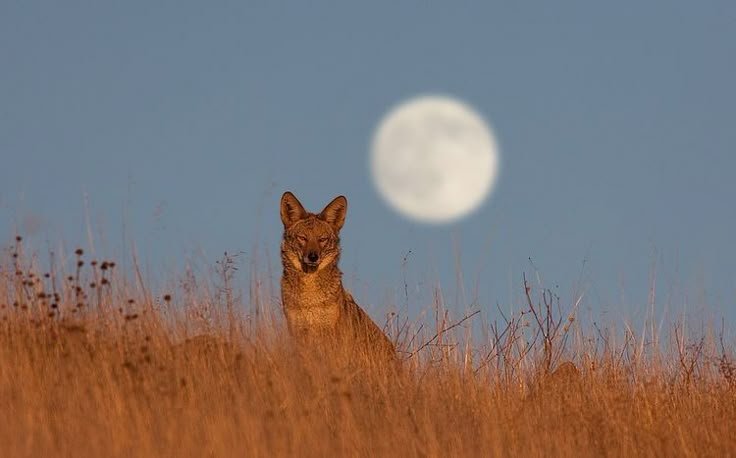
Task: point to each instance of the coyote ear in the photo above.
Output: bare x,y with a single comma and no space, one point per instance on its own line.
334,212
291,209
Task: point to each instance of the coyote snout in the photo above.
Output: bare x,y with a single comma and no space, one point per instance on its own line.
315,303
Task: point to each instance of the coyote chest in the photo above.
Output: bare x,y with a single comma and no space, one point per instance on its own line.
308,308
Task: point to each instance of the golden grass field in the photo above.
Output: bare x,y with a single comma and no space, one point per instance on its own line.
93,362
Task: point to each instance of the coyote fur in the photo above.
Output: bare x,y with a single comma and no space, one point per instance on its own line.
317,307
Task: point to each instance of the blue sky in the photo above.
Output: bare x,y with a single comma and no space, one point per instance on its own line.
184,122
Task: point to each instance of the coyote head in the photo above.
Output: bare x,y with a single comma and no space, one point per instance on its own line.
311,241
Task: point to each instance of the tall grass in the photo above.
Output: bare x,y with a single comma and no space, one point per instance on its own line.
95,363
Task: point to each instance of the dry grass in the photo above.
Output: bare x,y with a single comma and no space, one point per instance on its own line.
113,370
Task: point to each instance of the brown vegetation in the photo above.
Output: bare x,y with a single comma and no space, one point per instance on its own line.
115,370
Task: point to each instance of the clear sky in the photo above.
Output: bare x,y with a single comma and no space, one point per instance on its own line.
184,122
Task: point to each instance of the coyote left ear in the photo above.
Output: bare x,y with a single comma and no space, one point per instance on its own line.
334,212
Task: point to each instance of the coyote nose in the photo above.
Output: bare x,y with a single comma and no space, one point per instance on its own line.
312,256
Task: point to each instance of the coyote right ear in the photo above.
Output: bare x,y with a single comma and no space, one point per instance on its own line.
291,209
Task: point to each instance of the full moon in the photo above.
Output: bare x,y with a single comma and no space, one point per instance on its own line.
434,159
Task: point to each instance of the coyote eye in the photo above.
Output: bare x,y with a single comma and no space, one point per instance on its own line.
301,239
323,239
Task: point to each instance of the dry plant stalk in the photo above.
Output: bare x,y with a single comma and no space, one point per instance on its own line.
90,366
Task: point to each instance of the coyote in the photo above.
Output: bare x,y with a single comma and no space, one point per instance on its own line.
317,307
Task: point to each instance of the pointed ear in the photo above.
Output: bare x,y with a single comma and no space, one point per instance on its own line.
291,209
334,212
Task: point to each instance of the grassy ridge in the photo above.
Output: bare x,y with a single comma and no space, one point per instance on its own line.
95,364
